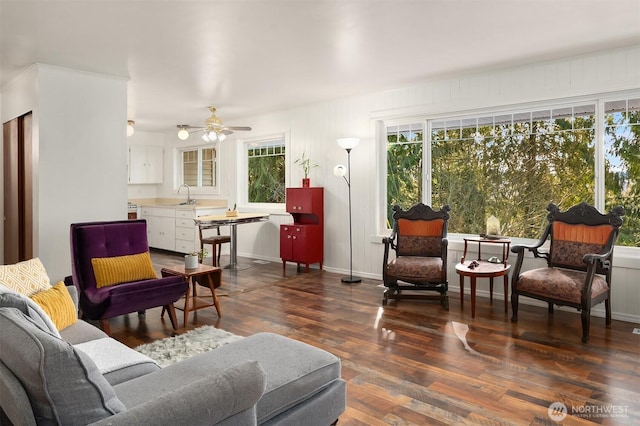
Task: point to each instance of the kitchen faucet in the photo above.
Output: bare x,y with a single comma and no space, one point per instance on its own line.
189,199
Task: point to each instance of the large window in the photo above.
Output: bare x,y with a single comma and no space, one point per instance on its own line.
266,171
404,166
513,164
199,167
622,165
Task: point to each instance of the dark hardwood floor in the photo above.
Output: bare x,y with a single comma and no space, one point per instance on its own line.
413,363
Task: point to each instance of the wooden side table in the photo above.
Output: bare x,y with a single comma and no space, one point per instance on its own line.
208,276
475,269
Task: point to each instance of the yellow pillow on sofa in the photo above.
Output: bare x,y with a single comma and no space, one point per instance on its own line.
122,269
27,277
57,303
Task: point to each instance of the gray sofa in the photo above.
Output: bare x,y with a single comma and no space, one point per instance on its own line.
261,379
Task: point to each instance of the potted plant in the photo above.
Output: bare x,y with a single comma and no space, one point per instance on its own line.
306,164
202,254
192,259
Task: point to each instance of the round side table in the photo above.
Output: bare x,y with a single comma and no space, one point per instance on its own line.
483,270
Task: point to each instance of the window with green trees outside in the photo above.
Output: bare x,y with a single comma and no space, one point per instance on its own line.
513,164
266,171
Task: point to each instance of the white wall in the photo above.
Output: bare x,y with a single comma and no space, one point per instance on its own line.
315,128
80,153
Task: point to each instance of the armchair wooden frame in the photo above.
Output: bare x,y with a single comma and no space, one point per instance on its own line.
419,239
579,257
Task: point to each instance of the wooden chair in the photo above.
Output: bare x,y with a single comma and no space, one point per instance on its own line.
216,242
578,271
419,239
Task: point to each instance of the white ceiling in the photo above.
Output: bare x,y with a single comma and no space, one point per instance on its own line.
249,56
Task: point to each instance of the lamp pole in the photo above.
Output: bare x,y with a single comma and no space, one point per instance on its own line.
348,144
350,279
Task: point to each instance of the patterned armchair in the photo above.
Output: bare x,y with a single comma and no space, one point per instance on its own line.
419,239
579,256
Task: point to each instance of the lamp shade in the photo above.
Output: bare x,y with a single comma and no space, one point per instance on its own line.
348,143
339,170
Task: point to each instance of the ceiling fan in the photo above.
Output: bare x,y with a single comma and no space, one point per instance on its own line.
213,129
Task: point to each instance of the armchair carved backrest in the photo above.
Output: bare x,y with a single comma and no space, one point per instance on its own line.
419,240
579,231
578,271
418,235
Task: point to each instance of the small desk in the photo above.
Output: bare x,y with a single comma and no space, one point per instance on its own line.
205,222
484,269
205,275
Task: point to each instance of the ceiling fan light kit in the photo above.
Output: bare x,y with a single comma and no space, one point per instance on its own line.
213,136
183,132
214,129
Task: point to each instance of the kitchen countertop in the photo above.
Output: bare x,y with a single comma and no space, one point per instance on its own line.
178,203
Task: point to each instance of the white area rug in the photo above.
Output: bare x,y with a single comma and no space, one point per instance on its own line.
173,349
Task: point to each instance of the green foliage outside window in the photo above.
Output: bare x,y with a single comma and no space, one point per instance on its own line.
513,171
513,165
266,172
622,167
404,167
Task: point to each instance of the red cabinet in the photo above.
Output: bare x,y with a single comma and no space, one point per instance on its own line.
302,241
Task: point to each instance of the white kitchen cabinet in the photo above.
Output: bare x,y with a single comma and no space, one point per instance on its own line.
187,236
173,228
161,227
146,164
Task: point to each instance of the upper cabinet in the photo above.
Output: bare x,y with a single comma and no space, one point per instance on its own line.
146,163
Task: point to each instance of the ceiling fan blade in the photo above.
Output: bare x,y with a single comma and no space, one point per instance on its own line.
239,128
190,128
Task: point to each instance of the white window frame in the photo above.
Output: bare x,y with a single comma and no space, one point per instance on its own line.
202,190
381,137
243,167
597,99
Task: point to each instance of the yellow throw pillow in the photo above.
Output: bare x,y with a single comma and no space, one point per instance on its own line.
27,278
122,269
57,303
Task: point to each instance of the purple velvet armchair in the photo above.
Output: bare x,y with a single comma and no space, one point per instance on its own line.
117,238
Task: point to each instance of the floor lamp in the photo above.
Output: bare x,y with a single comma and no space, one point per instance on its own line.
348,144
